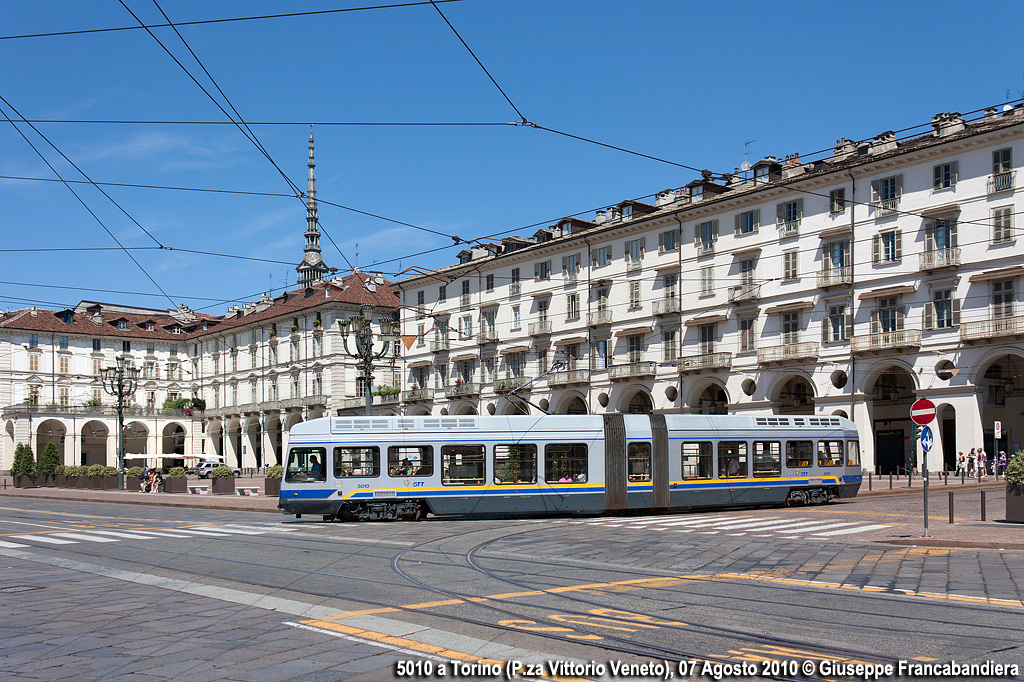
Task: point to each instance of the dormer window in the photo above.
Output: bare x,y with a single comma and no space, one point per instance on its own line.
67,317
122,325
696,193
627,212
175,328
761,175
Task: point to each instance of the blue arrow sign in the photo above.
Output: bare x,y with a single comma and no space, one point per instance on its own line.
927,441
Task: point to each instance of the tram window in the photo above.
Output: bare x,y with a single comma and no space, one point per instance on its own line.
852,453
306,465
356,462
638,456
462,464
410,460
830,453
767,458
697,460
565,463
732,459
798,453
515,463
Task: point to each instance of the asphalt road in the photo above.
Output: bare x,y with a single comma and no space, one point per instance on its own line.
305,600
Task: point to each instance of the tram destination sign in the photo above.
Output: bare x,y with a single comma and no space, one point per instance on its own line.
922,411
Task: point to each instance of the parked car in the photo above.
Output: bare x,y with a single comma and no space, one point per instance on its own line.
203,469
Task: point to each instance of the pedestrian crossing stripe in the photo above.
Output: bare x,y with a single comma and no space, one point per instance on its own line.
763,526
104,536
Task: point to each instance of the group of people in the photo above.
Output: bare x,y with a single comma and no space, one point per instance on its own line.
152,479
978,463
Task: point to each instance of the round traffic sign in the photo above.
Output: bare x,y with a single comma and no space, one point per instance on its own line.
922,411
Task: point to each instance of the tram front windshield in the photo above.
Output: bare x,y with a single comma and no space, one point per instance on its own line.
305,465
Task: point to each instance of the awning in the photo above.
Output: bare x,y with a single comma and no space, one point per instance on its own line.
835,232
748,251
489,304
539,294
790,307
570,339
514,349
887,291
1004,273
419,363
463,357
633,331
706,319
938,211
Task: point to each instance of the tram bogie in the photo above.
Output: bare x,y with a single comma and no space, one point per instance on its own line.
401,468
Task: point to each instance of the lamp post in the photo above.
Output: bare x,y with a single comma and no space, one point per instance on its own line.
362,331
120,382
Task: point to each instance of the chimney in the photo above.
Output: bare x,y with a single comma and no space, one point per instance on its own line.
991,114
844,149
885,142
792,166
601,216
944,125
665,197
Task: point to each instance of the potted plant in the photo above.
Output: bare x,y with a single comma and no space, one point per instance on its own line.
133,478
272,481
93,404
23,468
95,474
109,478
1015,488
60,476
48,462
223,480
316,323
175,481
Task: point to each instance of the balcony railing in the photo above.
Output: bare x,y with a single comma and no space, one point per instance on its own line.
633,265
539,328
1000,182
457,390
940,258
515,288
440,346
465,300
103,411
598,318
487,338
805,350
742,293
705,361
833,277
987,329
880,341
887,207
270,405
416,394
353,403
387,399
789,228
573,376
666,306
705,248
509,384
633,370
570,276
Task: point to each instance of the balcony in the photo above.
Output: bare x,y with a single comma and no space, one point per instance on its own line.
789,228
887,207
705,361
515,288
416,394
465,300
938,259
539,328
353,403
666,306
570,276
104,411
634,265
744,293
634,370
509,384
788,352
573,376
705,248
460,390
269,405
487,338
386,399
440,346
1001,182
599,318
834,277
902,339
994,328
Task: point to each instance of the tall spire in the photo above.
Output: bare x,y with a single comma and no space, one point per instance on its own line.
312,269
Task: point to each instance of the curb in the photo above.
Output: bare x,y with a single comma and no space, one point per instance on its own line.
953,544
148,502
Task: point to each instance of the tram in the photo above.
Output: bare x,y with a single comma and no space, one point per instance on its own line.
376,468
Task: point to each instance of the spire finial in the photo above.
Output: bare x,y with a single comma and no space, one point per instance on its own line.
312,268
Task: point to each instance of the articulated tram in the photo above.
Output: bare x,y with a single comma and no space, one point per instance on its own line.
374,468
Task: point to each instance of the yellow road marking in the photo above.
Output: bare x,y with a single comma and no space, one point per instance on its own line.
83,516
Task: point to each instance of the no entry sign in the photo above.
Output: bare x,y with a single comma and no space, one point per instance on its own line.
922,412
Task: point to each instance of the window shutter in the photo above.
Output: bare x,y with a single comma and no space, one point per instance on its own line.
875,324
536,272
929,237
643,246
953,172
876,249
929,315
565,266
757,218
780,213
849,325
593,259
661,242
714,229
874,191
937,177
899,186
952,233
826,328
625,252
739,224
956,311
899,245
901,313
799,209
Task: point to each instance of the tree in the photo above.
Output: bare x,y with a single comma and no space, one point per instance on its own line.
24,463
49,460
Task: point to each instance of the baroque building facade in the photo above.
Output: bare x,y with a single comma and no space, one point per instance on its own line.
852,285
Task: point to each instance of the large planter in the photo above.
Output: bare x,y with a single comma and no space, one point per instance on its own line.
61,480
47,481
110,482
272,487
96,482
175,485
224,486
133,483
1015,503
84,482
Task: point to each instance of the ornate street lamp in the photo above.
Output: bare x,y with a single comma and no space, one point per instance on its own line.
120,382
362,331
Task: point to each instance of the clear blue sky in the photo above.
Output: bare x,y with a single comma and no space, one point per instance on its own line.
687,82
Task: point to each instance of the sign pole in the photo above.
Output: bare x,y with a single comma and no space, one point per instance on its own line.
922,412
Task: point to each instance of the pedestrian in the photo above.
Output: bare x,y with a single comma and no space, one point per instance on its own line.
1001,464
158,479
970,463
960,463
982,463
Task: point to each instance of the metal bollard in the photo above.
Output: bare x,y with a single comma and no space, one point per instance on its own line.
869,482
963,478
982,505
890,481
910,478
945,478
951,506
